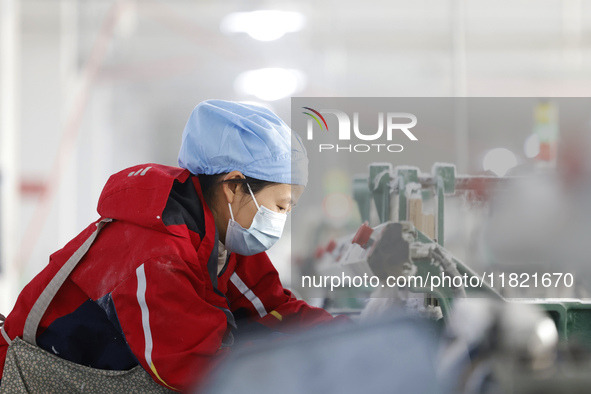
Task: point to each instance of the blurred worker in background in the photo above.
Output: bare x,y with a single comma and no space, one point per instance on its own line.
182,264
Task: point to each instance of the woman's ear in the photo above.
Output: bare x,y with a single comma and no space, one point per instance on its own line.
229,188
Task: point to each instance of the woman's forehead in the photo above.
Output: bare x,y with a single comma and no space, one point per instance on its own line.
285,192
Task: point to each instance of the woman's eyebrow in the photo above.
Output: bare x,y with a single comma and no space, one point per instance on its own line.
289,200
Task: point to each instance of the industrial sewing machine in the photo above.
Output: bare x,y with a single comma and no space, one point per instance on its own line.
404,257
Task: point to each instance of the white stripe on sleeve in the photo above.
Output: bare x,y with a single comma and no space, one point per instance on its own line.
256,302
141,298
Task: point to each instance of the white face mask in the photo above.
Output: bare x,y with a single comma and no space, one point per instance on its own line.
265,230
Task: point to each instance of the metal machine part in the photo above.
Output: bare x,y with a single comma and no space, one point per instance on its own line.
397,249
491,344
409,192
508,347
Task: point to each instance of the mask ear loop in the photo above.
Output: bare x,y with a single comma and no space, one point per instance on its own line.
255,200
231,214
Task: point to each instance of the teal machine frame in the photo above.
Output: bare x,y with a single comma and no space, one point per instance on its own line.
572,317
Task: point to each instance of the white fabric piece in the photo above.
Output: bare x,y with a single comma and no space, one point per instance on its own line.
222,253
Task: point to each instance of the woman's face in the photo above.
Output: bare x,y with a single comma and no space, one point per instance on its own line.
279,198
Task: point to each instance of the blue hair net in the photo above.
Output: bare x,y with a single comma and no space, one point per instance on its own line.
223,136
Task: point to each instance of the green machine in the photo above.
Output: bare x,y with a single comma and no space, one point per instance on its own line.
409,241
490,342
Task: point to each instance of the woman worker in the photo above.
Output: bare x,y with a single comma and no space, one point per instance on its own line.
183,258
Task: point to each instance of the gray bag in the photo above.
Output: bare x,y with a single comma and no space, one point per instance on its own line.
30,369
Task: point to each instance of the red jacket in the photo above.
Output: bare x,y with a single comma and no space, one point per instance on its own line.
148,291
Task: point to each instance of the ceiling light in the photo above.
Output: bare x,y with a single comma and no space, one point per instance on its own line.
499,161
270,84
531,147
263,25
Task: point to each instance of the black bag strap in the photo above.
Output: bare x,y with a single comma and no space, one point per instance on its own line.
42,303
